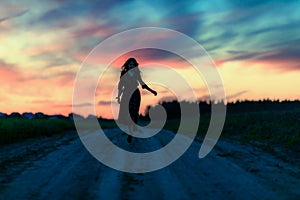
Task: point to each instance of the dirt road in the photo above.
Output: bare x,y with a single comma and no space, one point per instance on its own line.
61,168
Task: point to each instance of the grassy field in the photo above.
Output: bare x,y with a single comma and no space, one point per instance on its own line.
17,129
277,128
273,128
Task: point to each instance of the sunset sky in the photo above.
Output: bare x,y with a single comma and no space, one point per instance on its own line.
255,46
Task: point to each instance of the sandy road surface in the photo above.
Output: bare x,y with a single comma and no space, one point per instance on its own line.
61,168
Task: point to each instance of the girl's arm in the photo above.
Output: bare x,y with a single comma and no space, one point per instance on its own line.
149,89
144,86
120,91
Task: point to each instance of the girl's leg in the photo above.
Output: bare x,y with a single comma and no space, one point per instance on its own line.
134,106
129,137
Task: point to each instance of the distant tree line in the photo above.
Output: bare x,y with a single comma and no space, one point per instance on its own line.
173,108
38,115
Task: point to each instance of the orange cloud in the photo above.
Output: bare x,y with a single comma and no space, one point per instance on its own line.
56,47
8,76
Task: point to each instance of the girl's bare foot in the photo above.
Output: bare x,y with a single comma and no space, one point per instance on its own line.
129,138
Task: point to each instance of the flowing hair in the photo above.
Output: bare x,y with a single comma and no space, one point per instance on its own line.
125,67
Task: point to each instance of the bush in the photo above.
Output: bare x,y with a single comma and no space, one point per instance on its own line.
17,129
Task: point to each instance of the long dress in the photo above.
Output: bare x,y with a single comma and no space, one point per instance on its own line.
131,97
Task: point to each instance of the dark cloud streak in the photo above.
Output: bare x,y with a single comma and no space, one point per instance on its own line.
235,95
106,103
13,16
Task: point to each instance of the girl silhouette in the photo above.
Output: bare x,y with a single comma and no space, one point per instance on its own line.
129,96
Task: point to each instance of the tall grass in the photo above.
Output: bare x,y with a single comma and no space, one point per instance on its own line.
280,128
17,129
274,128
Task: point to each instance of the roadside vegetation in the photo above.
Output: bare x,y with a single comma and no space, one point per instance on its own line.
268,123
14,130
277,128
271,128
271,123
17,129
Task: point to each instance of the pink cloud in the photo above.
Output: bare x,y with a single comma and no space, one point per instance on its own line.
92,28
281,60
24,92
279,66
8,72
